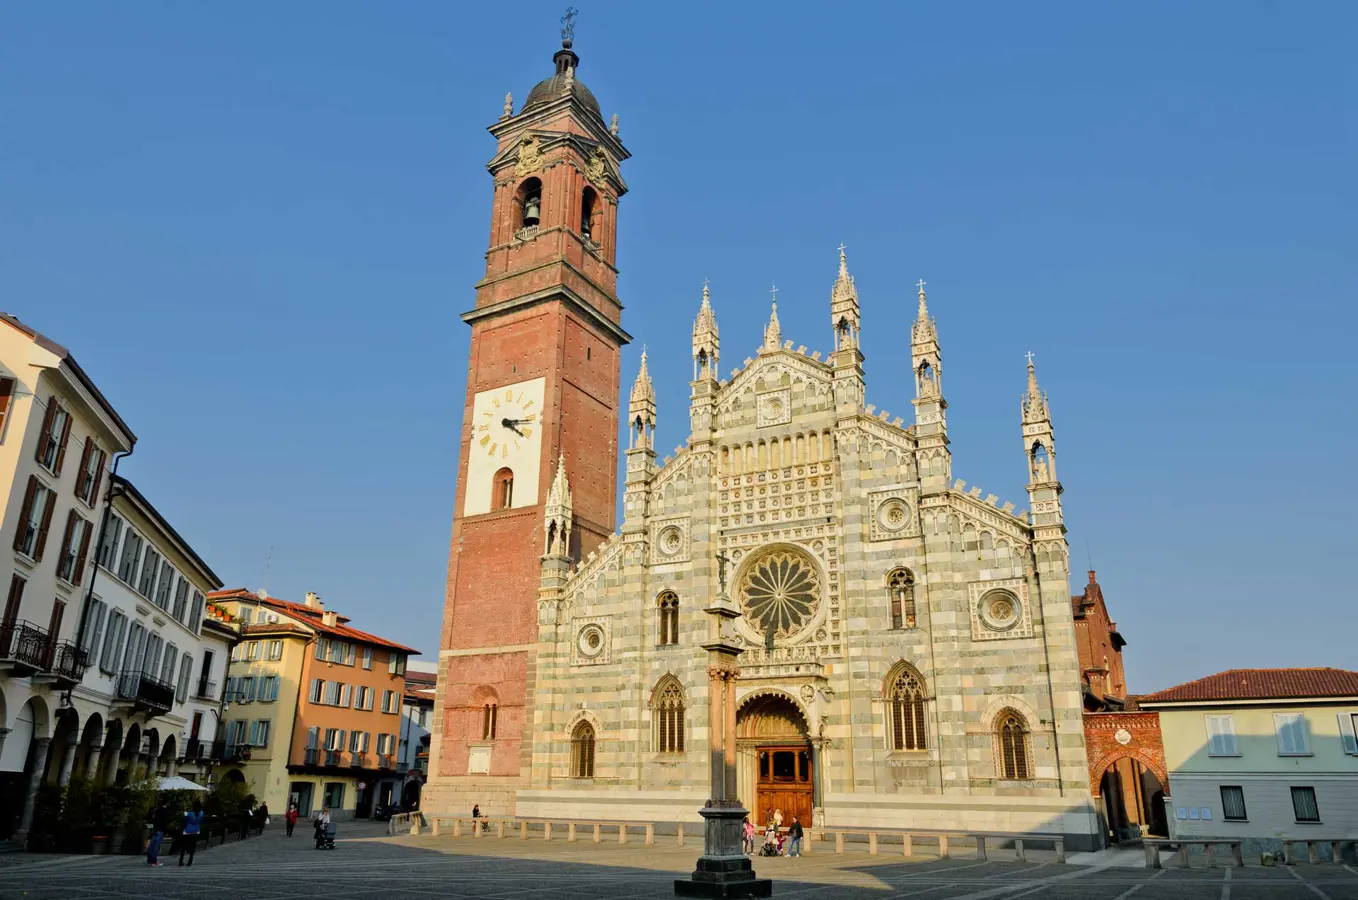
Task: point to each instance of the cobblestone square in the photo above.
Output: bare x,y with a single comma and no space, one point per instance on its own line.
369,864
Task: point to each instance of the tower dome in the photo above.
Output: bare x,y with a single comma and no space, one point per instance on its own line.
549,89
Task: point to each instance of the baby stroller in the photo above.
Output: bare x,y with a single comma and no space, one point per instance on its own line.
325,837
773,844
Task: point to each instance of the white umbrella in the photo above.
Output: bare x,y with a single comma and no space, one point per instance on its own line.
178,783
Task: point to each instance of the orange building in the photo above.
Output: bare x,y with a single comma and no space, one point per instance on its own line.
314,715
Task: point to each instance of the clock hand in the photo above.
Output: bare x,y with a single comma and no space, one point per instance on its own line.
511,425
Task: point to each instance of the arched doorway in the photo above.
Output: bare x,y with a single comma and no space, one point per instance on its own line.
1133,800
776,761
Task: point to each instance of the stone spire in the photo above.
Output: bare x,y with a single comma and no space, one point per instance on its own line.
924,328
844,316
1038,434
773,332
706,340
1034,400
932,455
641,408
558,514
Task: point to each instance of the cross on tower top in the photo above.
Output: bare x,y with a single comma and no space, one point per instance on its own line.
921,285
568,21
1030,357
774,291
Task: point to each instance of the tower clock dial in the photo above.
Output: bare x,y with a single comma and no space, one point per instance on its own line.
506,445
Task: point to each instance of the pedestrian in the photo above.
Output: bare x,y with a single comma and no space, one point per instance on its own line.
747,833
794,833
322,822
778,819
193,826
160,823
476,812
244,821
290,818
262,816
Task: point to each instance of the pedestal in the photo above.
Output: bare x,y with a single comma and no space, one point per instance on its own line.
723,869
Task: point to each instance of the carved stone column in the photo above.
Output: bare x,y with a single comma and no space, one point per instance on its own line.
92,764
723,870
40,747
67,764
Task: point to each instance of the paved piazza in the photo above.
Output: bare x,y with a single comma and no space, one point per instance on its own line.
368,864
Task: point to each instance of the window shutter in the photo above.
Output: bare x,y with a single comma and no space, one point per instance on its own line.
98,477
1346,732
25,511
66,537
42,529
84,467
83,554
45,434
61,449
6,393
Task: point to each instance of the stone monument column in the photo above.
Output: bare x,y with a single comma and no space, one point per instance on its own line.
723,870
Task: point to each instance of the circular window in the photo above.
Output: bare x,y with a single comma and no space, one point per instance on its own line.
1000,610
671,541
780,592
590,641
893,515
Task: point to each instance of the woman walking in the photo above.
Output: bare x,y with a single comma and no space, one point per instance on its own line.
290,818
193,826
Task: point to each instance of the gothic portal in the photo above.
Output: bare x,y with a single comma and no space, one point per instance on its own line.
910,658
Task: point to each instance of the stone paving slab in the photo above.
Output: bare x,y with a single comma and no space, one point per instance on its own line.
368,865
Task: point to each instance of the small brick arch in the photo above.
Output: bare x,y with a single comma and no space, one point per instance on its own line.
1105,762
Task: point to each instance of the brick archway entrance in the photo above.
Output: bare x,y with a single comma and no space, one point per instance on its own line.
776,760
1127,772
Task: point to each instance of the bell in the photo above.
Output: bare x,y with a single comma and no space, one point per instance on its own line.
532,207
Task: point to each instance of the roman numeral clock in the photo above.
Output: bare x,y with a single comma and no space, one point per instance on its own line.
505,455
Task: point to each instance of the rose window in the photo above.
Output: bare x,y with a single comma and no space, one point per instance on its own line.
780,593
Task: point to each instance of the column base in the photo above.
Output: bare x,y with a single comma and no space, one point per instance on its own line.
723,870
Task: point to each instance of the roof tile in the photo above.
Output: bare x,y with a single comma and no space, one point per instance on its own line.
1262,684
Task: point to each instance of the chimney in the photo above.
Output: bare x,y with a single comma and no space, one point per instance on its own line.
313,600
330,618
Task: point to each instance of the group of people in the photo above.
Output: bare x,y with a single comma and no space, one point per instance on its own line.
186,842
776,842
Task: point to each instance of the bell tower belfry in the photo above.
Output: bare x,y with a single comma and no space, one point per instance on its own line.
542,400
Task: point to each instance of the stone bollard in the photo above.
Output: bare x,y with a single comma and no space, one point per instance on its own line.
839,842
622,834
546,831
681,834
596,832
523,830
980,846
650,836
457,828
942,846
908,846
872,843
415,824
570,833
1023,855
500,829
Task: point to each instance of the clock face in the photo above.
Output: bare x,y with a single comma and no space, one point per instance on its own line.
506,446
509,422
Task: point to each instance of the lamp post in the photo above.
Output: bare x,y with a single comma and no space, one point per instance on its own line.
723,870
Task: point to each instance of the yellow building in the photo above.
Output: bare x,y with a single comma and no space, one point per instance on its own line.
1262,755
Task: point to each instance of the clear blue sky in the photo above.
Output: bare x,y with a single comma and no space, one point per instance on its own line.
256,224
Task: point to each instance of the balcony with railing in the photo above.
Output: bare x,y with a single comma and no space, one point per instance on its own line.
334,757
69,663
25,649
236,752
358,760
149,695
195,750
386,761
204,689
312,757
218,750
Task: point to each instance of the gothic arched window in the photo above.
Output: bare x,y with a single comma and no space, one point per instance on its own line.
582,751
530,203
667,713
1011,746
905,707
489,714
502,494
901,591
668,610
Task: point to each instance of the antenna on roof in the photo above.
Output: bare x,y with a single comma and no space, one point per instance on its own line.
1089,556
268,569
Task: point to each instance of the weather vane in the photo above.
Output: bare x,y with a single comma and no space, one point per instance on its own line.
568,23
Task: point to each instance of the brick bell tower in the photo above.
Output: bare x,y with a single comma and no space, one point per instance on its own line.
542,386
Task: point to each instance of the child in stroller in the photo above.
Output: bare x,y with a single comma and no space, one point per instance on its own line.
325,831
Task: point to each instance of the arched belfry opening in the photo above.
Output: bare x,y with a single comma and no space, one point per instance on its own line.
776,759
589,214
530,203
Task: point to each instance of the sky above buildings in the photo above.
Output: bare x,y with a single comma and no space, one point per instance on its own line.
256,224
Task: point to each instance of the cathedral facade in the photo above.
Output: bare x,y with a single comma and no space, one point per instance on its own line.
910,655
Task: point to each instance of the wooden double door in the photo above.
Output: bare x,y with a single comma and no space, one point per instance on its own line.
785,781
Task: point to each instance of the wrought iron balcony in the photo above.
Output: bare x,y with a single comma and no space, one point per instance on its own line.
151,695
25,648
204,689
69,663
311,757
358,760
333,757
236,753
386,761
195,749
218,750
